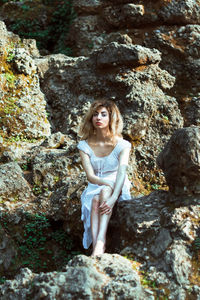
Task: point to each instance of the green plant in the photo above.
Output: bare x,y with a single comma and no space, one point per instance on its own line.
10,53
34,241
37,188
196,244
2,279
56,178
53,36
10,78
62,238
155,186
9,106
24,167
39,245
165,118
147,281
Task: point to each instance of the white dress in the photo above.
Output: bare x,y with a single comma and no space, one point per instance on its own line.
105,167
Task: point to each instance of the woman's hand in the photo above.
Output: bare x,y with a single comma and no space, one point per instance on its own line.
107,206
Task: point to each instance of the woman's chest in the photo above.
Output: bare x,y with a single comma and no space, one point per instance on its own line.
102,150
106,164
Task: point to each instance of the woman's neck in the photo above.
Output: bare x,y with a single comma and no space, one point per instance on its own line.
103,135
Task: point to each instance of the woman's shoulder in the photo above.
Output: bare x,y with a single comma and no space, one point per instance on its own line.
123,143
83,146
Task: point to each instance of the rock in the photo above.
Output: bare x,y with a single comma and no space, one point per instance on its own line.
180,161
23,62
157,231
13,186
181,12
171,27
124,55
161,243
179,46
23,107
192,112
7,252
158,236
87,6
109,276
6,36
50,166
140,217
179,260
57,140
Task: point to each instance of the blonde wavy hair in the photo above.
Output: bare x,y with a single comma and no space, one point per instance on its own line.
86,129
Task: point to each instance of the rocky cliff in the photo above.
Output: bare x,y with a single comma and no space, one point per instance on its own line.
144,56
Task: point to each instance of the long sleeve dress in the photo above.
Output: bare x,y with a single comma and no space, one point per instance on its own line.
105,167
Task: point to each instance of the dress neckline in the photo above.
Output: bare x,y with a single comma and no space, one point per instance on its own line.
105,155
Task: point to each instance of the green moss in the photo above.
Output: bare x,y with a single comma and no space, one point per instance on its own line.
12,84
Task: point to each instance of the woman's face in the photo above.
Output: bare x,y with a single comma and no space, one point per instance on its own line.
100,119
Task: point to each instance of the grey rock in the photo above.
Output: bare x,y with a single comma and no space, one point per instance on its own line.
161,243
13,186
179,259
23,62
179,46
116,54
181,12
87,6
108,276
180,161
192,112
23,115
7,252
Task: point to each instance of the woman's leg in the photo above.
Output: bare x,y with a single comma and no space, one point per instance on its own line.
103,223
95,219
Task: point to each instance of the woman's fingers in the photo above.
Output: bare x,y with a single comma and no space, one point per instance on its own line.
105,208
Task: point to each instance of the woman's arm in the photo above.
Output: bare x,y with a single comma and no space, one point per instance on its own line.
121,174
87,166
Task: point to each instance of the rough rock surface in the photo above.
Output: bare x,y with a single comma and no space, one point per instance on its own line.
180,161
22,107
7,251
106,277
13,186
160,237
172,27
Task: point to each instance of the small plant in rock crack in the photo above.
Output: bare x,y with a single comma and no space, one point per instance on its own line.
2,280
34,240
37,189
196,244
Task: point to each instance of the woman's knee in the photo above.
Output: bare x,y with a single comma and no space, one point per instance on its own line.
105,193
95,202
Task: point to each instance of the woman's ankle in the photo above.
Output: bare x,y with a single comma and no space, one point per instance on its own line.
99,248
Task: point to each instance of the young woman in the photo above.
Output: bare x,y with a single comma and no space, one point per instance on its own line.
104,154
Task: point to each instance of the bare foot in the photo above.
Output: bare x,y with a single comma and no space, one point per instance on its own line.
99,248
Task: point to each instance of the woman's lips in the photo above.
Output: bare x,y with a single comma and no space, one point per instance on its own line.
98,123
